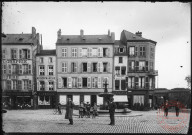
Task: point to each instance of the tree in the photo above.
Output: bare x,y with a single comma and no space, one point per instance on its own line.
188,79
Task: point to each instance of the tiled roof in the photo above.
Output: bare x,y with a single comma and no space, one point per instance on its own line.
18,38
118,42
133,37
46,52
78,39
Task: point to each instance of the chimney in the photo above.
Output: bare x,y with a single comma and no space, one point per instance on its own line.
81,33
138,34
59,34
109,34
113,36
33,32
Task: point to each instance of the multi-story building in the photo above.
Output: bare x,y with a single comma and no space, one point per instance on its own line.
141,68
18,67
84,63
46,78
120,74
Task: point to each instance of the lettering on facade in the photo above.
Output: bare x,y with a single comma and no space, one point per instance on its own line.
46,78
14,61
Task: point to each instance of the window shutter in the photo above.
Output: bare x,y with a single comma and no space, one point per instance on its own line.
38,85
136,51
129,65
89,67
80,52
108,82
17,69
80,67
99,82
9,69
139,82
147,67
46,85
29,69
89,82
101,52
98,52
147,82
108,53
137,65
90,52
101,67
20,54
109,68
76,64
98,67
122,84
20,69
68,67
136,82
93,82
29,84
80,82
59,82
28,54
69,82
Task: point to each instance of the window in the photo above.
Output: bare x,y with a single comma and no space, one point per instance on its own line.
84,67
117,70
123,85
94,67
13,53
50,59
120,59
41,70
74,82
73,67
84,82
141,65
50,70
29,69
131,51
42,85
9,69
74,52
25,69
14,69
94,82
117,84
44,100
4,69
41,60
151,66
84,52
131,82
3,53
25,82
64,67
152,52
24,54
8,84
138,99
14,84
105,67
29,85
104,52
131,65
64,82
136,82
51,85
121,49
123,70
64,52
141,82
19,86
94,52
142,51
20,69
79,82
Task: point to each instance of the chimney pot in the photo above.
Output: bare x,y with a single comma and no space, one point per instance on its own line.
59,34
138,34
109,33
33,32
81,32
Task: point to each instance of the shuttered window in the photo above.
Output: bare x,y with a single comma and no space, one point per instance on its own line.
117,84
136,82
89,82
79,82
99,82
19,86
29,70
123,85
29,85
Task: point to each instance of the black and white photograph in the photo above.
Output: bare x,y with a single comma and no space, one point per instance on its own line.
96,67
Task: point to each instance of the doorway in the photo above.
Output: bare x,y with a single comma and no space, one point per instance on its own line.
93,99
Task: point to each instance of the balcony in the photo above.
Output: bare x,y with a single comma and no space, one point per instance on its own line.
153,73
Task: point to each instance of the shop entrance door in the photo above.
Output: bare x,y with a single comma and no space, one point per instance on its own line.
93,99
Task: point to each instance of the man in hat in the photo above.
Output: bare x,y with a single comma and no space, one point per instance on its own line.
112,107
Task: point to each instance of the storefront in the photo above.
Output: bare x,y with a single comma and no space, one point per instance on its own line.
47,99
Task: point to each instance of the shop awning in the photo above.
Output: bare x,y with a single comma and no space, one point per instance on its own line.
120,98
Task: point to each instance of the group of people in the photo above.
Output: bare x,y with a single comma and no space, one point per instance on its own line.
85,110
166,108
70,105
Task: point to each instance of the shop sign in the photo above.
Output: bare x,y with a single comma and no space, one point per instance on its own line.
46,78
46,93
14,61
17,93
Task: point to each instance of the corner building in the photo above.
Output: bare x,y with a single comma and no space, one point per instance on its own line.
84,63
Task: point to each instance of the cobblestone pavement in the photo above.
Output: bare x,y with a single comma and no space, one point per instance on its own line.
44,121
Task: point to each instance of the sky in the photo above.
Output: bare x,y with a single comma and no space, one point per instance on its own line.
167,23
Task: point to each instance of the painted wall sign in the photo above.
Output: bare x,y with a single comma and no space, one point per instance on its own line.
14,61
45,77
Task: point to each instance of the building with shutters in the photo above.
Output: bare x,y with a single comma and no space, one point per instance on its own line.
46,78
120,74
141,68
18,68
84,63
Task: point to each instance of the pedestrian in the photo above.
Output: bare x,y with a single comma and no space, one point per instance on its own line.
59,108
112,107
81,109
88,107
177,108
166,107
94,110
69,111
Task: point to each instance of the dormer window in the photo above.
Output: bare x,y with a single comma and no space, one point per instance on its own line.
67,39
121,50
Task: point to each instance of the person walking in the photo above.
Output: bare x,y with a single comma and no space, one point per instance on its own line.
88,107
69,111
112,107
166,107
81,108
59,108
94,110
177,108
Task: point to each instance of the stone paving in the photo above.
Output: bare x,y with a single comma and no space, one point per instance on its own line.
44,121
